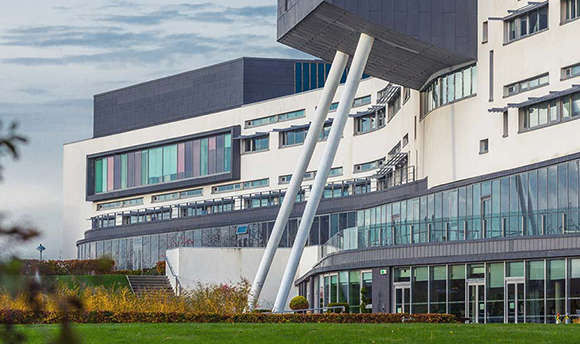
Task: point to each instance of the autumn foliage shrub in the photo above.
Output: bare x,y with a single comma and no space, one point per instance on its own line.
68,267
29,317
299,303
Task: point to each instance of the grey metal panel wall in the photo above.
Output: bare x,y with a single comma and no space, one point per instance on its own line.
381,291
267,78
414,38
185,95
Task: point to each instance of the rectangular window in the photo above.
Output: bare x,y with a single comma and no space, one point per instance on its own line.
253,184
120,204
177,195
368,166
483,146
526,24
370,122
526,85
484,32
570,10
570,71
361,101
505,124
405,140
287,116
550,112
256,144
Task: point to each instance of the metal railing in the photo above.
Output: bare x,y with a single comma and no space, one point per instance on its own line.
408,232
178,286
311,310
272,198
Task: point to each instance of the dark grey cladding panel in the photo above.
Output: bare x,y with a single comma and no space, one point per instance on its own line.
267,78
452,253
203,91
169,99
414,38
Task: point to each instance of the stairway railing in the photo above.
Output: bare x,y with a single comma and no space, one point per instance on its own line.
178,287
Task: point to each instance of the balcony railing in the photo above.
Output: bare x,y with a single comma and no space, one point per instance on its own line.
265,199
504,225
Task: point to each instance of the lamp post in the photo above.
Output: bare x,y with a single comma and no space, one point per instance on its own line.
40,248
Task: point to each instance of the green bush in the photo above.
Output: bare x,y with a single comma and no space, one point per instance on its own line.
99,266
299,303
29,317
338,310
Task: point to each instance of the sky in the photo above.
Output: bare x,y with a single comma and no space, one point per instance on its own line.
55,55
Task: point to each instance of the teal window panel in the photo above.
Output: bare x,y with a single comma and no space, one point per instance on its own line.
123,171
169,163
204,156
99,176
155,165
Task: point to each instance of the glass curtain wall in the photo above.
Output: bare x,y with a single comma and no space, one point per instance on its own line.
190,159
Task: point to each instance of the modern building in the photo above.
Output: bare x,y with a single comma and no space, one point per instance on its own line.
455,187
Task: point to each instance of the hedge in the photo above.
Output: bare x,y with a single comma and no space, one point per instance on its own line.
24,317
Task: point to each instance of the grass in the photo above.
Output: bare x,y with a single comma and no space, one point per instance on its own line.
311,333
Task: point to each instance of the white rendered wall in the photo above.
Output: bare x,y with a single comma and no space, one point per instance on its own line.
231,265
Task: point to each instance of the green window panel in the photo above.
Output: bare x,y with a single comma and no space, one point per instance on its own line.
144,167
155,165
228,152
105,174
99,176
123,171
204,156
169,163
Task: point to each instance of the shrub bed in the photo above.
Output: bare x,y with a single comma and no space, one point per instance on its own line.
28,317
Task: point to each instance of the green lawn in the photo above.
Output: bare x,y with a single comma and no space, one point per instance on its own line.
311,333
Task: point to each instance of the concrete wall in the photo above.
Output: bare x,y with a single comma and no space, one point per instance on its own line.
231,265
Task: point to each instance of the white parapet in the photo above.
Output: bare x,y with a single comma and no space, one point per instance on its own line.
193,265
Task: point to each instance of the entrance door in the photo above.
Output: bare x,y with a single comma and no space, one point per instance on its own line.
515,302
402,299
476,303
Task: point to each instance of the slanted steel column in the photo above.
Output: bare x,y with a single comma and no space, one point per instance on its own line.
355,73
332,81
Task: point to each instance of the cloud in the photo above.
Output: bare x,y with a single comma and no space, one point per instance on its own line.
60,36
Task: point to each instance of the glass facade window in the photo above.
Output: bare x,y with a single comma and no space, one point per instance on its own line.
195,158
172,196
526,85
570,10
526,24
555,288
258,183
256,144
420,290
361,101
312,75
549,113
295,137
120,204
570,71
370,122
287,116
495,293
368,166
394,105
449,88
535,291
285,179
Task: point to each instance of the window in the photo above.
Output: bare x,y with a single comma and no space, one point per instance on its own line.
285,179
406,94
369,122
570,72
335,172
550,112
505,124
483,146
188,159
177,195
484,32
312,75
333,107
253,184
287,116
361,101
526,24
367,166
570,10
257,144
526,85
405,140
296,137
120,204
394,104
448,88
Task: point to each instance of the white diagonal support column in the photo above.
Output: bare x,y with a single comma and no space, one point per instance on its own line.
332,81
355,73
